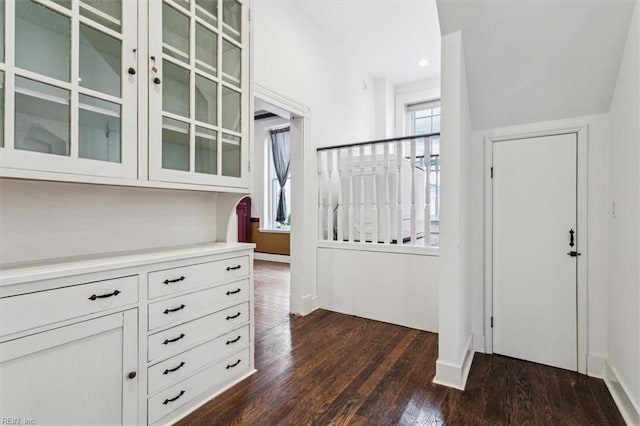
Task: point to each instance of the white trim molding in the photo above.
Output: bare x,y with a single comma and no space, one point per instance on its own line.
453,375
629,409
281,258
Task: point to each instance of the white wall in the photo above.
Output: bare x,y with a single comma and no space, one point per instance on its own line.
41,220
454,343
598,244
624,240
384,108
293,58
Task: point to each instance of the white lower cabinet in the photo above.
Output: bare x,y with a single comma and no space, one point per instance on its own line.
75,347
81,374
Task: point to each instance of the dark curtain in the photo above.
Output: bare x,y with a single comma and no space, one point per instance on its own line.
281,150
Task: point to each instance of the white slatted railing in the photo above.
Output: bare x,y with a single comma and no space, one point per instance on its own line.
380,192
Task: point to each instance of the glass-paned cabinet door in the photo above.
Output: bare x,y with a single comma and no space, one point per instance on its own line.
68,74
198,95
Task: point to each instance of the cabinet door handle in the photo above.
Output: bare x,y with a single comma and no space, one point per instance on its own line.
168,311
233,316
131,71
233,268
171,370
168,400
233,292
166,342
175,281
104,296
233,341
233,365
157,80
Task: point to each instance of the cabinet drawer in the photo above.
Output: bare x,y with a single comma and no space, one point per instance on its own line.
26,311
181,366
190,306
193,277
175,340
216,376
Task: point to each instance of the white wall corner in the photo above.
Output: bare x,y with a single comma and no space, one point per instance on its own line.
309,304
596,365
478,341
629,408
455,375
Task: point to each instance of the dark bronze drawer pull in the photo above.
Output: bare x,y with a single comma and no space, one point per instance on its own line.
233,292
233,316
233,365
233,268
166,401
182,278
104,296
233,341
166,342
167,311
171,370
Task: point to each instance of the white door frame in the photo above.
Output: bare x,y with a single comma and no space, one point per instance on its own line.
582,284
303,288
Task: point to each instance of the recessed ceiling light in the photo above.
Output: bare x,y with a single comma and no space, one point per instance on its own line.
423,62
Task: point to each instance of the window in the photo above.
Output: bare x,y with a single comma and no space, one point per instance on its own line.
424,118
279,136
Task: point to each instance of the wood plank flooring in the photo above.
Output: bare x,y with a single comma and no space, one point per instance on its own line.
329,368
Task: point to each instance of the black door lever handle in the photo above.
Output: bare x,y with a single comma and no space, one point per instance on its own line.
574,254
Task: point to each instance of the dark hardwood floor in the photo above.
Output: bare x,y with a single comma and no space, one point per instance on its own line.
330,368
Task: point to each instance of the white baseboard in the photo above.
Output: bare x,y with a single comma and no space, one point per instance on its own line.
478,341
629,409
453,375
272,257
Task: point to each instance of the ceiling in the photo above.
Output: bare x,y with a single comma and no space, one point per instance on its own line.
533,60
385,38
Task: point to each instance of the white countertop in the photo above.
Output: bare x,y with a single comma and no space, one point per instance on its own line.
16,273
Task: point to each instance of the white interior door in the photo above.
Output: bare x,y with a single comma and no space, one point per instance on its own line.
534,277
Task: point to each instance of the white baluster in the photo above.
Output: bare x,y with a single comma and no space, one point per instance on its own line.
427,193
414,210
320,198
399,193
387,210
340,197
330,193
350,212
374,196
363,236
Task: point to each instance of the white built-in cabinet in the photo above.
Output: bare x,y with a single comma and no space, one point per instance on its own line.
127,338
125,92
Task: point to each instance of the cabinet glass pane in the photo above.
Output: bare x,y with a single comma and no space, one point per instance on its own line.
207,10
63,3
206,100
175,33
206,151
100,61
42,117
42,40
230,156
175,89
230,63
230,109
231,16
99,130
1,30
206,49
105,12
1,108
175,144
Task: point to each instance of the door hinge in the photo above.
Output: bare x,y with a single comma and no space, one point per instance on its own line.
491,172
491,322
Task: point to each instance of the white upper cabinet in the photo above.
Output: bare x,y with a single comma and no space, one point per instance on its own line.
72,97
198,101
69,87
